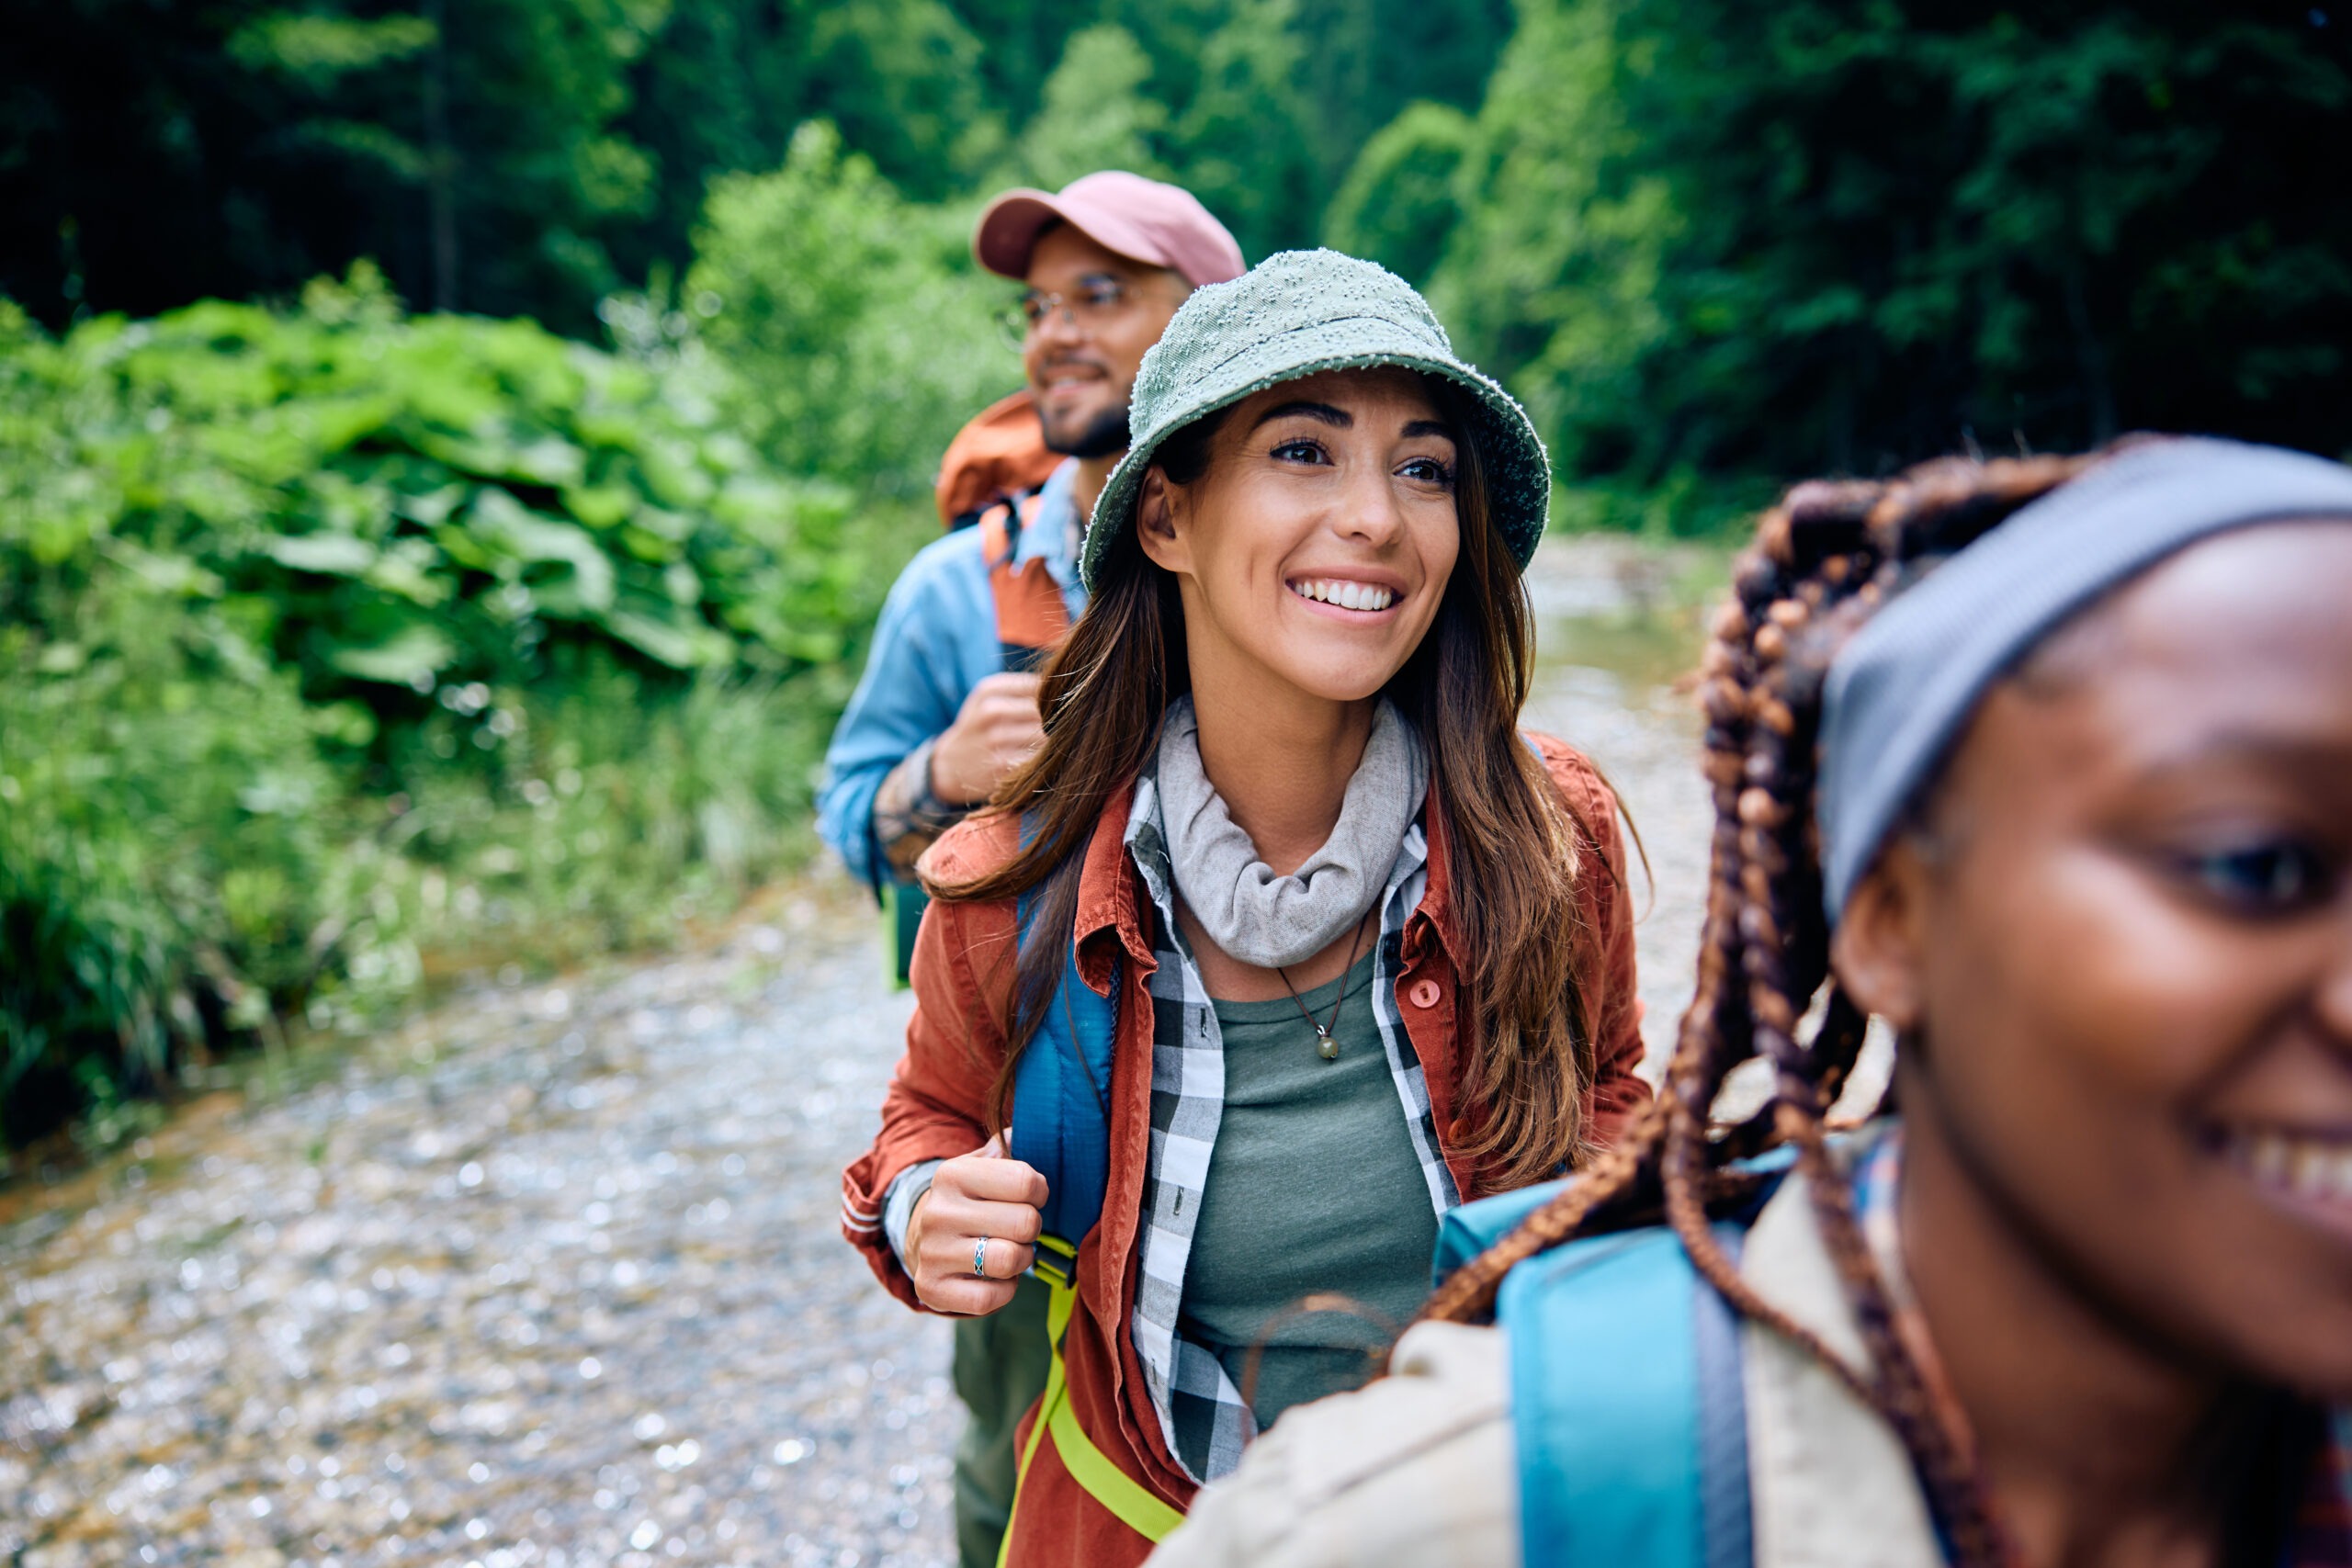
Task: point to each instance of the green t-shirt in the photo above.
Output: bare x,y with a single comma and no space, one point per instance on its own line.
1313,1189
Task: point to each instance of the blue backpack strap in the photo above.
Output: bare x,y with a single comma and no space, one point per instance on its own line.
1061,1103
1470,1229
1473,1227
1630,1412
1628,1407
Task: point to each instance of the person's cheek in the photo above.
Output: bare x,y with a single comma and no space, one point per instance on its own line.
1444,550
2167,996
2083,1024
1437,547
2036,1003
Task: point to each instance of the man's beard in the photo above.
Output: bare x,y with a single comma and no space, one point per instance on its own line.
1102,436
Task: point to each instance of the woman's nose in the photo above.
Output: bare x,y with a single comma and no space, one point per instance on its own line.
1373,513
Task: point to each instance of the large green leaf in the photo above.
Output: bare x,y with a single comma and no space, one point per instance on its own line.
669,639
407,568
334,555
412,654
503,524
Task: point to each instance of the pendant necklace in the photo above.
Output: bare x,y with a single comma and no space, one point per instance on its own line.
1325,1046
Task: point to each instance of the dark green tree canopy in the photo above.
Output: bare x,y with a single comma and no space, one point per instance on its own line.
1838,234
1699,236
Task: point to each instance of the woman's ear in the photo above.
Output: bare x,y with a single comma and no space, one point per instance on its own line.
1156,529
1879,944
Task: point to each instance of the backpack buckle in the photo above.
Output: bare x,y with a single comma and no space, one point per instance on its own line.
1055,1262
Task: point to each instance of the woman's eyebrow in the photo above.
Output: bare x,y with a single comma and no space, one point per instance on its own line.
1323,413
2321,764
1431,427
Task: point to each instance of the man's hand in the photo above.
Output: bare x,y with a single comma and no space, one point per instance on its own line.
983,1193
994,732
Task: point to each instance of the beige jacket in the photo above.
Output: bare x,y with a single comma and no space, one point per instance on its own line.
1418,1470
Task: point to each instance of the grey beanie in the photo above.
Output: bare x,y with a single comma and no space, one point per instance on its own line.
1899,692
1291,315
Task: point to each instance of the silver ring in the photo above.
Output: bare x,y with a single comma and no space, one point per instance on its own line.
980,1258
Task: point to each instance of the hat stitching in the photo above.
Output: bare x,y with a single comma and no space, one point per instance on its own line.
1249,348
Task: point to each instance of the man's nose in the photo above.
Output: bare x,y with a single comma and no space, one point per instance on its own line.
1057,326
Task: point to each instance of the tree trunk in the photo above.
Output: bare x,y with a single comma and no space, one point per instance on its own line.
441,186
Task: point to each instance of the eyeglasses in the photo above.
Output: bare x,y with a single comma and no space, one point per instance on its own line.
1090,307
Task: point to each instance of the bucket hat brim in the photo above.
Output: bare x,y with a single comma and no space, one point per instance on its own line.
1317,311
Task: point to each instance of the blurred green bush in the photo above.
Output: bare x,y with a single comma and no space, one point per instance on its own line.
332,635
856,332
385,502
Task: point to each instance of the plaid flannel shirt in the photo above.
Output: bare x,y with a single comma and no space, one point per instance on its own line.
1204,1417
2319,1534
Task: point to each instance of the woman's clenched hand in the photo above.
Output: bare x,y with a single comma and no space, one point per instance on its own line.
987,1194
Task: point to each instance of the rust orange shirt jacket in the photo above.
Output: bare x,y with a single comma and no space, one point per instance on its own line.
937,1104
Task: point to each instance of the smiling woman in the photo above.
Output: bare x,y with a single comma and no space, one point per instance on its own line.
1365,948
2048,763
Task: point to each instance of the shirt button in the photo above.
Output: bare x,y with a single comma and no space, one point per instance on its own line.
1424,994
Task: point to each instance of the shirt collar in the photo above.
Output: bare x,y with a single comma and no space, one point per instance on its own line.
1053,535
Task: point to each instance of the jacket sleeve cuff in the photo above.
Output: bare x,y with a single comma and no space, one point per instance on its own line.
898,1205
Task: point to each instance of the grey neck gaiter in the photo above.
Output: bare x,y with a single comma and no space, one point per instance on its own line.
1251,913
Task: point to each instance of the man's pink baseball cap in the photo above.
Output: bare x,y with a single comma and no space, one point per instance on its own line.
1145,219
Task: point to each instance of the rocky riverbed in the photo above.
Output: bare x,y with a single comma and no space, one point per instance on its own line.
552,1276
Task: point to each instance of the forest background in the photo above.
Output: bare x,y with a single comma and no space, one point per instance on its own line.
451,454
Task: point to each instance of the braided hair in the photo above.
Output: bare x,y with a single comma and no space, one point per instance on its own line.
1822,562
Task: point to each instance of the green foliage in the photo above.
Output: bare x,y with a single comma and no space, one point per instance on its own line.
1358,60
1093,114
1839,234
382,502
164,874
916,103
531,156
1399,205
324,630
1270,101
602,810
322,49
856,329
1248,140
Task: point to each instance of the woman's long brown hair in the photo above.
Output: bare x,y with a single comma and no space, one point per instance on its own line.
1822,563
1513,847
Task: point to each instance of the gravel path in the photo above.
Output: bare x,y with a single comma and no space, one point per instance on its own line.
553,1275
556,1280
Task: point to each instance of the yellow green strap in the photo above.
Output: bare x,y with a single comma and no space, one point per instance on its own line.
1129,1500
1137,1506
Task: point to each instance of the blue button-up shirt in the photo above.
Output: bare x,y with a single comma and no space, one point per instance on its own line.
937,640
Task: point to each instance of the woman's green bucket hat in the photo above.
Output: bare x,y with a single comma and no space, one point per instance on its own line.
1291,315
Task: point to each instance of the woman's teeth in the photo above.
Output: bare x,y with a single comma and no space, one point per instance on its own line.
2318,1169
1347,595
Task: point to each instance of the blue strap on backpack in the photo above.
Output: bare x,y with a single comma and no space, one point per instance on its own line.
1627,1405
1061,1088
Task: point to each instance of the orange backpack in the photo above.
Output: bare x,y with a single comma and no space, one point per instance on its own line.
989,479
